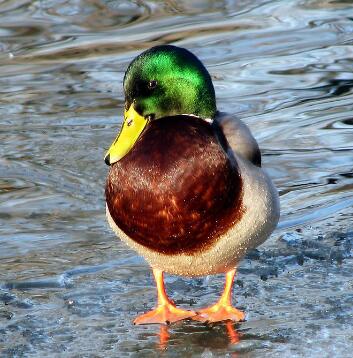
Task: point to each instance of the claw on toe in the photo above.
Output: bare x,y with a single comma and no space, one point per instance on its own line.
164,314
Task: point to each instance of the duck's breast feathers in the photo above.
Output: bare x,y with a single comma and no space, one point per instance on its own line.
176,191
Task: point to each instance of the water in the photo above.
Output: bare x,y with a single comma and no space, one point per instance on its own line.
68,288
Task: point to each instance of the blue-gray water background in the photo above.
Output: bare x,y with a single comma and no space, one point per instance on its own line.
68,287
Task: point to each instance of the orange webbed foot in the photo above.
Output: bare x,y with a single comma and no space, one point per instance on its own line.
219,312
223,309
164,314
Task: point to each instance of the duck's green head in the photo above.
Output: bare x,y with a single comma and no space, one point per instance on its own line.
162,81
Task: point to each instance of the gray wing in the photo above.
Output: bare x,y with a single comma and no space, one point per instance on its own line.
239,137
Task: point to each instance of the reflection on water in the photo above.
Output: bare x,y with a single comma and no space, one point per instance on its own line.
67,286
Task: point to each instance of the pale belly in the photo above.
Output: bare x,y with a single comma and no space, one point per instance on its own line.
260,218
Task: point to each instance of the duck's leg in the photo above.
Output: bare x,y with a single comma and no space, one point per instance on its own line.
165,312
223,309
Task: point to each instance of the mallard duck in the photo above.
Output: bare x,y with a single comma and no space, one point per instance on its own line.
185,187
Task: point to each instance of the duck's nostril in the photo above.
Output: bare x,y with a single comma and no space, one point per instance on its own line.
107,159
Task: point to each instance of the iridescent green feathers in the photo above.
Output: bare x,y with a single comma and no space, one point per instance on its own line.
167,80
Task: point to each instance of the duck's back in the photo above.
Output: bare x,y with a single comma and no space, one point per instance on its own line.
177,190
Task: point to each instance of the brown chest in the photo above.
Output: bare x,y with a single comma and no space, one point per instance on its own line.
176,191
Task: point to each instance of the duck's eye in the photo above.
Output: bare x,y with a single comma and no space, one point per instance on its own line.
150,117
152,84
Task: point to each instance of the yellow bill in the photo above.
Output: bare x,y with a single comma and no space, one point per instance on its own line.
132,127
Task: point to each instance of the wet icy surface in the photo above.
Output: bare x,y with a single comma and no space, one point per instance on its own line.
68,287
